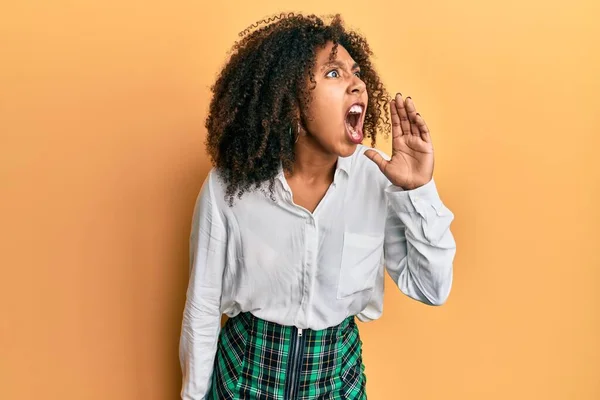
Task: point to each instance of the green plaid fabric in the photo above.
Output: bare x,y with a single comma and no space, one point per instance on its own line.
254,361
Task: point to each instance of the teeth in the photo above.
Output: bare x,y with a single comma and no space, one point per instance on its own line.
356,109
353,131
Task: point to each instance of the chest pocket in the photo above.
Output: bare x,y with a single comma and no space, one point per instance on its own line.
361,259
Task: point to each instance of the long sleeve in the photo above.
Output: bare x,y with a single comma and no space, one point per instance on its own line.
202,314
419,247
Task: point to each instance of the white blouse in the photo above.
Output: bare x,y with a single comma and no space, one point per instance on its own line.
285,264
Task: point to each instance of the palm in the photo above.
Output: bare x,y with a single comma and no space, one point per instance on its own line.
411,163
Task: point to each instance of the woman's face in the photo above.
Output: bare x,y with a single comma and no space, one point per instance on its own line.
337,110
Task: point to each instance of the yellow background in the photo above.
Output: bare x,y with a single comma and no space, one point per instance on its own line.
102,106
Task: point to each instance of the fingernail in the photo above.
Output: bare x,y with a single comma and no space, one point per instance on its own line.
409,98
398,94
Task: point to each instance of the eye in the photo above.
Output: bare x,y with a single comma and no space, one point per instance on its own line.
358,73
336,72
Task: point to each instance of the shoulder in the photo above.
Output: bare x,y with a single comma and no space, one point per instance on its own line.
215,189
216,183
211,195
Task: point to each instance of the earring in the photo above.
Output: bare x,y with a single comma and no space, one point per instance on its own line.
298,135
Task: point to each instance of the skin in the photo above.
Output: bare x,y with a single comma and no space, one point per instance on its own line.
323,138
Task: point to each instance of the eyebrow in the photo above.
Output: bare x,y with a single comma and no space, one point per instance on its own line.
339,64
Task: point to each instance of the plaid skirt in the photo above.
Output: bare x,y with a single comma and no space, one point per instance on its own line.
262,360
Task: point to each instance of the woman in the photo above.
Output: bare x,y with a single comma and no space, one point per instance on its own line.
297,222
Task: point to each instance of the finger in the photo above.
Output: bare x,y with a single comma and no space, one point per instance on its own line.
402,114
396,128
377,159
423,128
412,115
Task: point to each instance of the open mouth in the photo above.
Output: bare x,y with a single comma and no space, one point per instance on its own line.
354,123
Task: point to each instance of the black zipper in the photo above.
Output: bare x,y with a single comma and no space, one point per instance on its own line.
295,364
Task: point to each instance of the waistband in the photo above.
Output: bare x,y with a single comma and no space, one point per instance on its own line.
256,324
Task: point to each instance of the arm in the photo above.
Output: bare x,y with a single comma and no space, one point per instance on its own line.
202,314
419,247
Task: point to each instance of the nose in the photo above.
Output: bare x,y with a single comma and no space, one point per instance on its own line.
357,86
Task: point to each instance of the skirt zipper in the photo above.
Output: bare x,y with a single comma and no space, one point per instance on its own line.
296,364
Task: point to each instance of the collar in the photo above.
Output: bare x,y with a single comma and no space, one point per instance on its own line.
343,164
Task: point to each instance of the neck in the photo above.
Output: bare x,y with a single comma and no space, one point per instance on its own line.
312,163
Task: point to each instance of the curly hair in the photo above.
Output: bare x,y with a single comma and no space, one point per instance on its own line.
265,84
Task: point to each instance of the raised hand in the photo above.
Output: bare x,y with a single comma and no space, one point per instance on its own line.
411,163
